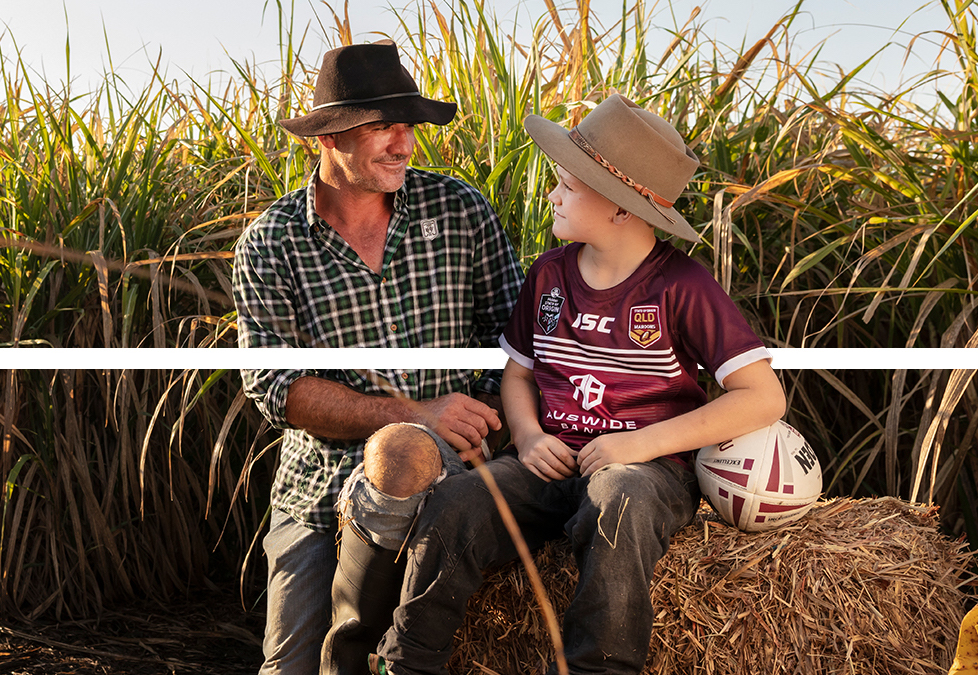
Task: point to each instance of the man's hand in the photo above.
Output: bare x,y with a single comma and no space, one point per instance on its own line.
461,420
547,456
618,448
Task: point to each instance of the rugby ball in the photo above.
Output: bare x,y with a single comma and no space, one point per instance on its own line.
761,480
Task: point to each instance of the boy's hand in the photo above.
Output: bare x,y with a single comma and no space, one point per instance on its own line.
607,449
548,457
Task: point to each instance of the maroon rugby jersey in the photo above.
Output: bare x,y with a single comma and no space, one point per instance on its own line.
624,357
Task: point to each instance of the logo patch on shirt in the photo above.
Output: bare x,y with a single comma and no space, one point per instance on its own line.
643,325
429,229
549,311
589,389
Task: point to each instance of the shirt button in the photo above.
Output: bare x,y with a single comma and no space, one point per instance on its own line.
393,327
404,376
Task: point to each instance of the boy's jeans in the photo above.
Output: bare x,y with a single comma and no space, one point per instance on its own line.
619,521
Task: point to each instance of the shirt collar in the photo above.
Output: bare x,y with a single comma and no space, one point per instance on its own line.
313,221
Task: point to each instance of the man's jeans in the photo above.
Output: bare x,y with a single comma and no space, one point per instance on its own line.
301,564
619,521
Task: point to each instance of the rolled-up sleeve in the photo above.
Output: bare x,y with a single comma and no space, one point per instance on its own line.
269,389
263,299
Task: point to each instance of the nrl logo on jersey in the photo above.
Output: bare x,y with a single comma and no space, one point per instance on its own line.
644,327
549,311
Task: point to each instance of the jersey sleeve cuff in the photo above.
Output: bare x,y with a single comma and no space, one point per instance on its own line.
741,360
511,352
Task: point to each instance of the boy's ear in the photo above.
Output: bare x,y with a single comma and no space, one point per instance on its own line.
621,216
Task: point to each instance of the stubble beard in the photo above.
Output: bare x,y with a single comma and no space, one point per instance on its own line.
381,181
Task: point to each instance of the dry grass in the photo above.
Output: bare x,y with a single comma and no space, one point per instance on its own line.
107,499
206,634
858,586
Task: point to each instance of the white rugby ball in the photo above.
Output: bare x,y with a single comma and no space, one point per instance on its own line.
761,480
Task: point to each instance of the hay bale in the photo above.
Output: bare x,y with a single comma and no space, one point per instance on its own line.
868,586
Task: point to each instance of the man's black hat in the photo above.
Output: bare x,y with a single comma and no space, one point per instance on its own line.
366,83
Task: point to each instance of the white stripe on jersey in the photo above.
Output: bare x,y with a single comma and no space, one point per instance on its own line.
561,351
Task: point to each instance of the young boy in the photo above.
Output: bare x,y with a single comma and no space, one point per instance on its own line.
602,400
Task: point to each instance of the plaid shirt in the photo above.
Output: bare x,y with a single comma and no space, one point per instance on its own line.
449,279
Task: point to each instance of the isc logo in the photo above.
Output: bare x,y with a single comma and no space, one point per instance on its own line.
593,322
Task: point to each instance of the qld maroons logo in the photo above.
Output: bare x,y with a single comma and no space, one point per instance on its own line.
644,327
549,311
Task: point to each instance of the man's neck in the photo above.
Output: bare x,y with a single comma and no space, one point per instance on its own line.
351,205
360,217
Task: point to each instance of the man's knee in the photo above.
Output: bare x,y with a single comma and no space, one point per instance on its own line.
401,460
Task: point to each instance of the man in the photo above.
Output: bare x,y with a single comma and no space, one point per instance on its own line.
371,253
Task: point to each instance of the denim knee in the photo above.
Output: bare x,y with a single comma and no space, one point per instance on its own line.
462,511
388,520
644,501
466,490
614,498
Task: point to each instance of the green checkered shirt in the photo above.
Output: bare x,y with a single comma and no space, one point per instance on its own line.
449,279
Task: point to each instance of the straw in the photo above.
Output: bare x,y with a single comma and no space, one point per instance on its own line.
857,586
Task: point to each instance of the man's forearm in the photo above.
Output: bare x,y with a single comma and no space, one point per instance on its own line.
329,409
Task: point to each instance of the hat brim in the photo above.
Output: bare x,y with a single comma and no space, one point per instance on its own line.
555,142
335,120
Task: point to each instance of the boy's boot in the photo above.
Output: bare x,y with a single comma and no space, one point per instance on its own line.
366,590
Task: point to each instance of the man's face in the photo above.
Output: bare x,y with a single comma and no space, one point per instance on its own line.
371,158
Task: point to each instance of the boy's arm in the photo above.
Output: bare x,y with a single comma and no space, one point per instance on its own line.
754,399
543,454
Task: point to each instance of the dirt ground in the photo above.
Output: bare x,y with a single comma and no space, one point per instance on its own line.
210,634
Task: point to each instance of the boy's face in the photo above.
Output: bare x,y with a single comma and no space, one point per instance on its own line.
580,213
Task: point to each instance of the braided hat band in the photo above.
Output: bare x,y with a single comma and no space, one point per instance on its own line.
627,154
655,200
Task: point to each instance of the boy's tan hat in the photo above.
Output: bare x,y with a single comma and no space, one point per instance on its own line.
631,156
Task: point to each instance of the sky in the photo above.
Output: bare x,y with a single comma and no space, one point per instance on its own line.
200,37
